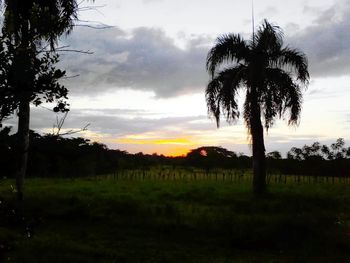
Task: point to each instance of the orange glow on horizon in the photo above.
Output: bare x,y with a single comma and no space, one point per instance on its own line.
163,143
177,152
174,141
171,147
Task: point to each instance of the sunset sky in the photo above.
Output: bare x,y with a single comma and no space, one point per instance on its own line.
143,87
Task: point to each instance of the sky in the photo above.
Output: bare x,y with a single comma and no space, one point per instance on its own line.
142,89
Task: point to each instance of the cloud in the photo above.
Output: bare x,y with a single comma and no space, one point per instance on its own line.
145,59
116,122
268,11
326,42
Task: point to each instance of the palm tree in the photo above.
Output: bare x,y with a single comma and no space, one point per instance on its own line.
32,25
272,76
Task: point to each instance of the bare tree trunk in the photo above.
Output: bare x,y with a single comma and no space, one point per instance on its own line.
259,166
22,146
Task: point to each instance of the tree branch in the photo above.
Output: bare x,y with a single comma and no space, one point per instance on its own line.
76,51
56,129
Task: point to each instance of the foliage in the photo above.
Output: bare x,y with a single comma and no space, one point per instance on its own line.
276,155
318,151
317,159
28,27
271,74
45,20
52,156
209,158
40,81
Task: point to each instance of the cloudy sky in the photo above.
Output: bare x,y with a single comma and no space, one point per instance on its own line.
142,89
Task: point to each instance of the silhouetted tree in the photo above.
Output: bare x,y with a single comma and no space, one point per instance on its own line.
209,157
276,155
312,152
30,29
318,151
295,154
272,76
339,151
326,153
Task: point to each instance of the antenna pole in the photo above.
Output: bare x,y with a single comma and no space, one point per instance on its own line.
253,22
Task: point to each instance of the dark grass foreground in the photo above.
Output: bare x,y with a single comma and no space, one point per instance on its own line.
126,221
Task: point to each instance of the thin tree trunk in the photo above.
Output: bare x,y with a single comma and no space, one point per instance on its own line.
259,167
23,65
23,146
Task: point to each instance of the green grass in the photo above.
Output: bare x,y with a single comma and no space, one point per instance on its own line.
173,221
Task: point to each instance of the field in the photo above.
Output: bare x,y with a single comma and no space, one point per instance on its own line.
109,219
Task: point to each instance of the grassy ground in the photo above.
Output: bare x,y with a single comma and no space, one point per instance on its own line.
169,221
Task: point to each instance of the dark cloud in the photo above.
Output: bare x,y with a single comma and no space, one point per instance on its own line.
326,42
116,122
121,126
146,59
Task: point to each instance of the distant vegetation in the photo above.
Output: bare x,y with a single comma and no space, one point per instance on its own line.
54,156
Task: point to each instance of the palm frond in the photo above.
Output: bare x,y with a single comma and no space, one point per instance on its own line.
293,104
268,38
247,111
282,94
221,93
273,76
228,48
213,100
296,61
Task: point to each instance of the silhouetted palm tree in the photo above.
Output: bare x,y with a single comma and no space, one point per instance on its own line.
272,76
30,25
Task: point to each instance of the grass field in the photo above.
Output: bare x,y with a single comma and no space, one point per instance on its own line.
106,220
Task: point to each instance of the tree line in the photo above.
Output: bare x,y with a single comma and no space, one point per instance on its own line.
56,156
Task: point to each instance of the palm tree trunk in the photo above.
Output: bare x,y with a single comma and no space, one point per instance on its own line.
23,146
259,167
